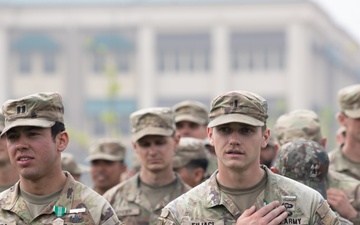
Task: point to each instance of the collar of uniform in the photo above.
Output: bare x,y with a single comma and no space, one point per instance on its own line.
65,200
271,191
67,196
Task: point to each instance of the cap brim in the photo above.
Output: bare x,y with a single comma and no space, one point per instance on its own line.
355,113
104,157
189,118
237,118
27,122
151,131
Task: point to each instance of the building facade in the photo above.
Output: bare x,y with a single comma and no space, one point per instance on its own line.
110,58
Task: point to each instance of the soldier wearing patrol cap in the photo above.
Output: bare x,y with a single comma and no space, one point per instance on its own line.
191,119
107,163
190,160
69,164
268,153
346,159
8,173
35,135
139,200
306,162
343,192
242,191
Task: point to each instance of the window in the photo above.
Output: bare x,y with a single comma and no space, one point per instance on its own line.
25,63
252,51
49,63
183,52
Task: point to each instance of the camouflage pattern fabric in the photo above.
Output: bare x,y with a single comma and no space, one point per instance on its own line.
41,109
238,106
109,149
349,100
68,163
133,207
351,188
75,195
206,204
298,124
191,111
304,161
341,164
152,121
187,150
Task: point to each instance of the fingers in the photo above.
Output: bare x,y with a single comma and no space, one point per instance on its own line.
249,211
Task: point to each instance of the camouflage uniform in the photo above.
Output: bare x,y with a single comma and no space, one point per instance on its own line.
74,195
82,204
349,101
130,204
133,207
195,112
304,124
340,163
206,204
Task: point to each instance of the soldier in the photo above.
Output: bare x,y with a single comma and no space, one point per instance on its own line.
268,154
69,164
190,160
139,200
342,191
346,159
106,163
36,137
8,173
191,119
242,191
306,162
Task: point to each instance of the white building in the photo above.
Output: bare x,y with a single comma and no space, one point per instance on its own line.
158,52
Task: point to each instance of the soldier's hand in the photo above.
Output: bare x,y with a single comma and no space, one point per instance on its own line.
339,202
271,214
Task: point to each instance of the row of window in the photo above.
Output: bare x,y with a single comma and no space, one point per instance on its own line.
173,53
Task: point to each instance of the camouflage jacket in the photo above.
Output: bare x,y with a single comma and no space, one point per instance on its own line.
133,207
350,186
340,163
74,195
205,204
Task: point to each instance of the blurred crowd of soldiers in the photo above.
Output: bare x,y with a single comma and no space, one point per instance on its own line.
190,165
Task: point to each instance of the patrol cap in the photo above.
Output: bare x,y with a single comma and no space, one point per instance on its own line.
68,163
349,100
40,110
187,150
2,122
304,161
238,106
298,124
192,111
152,121
107,149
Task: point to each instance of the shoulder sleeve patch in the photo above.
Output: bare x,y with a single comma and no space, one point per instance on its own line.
327,216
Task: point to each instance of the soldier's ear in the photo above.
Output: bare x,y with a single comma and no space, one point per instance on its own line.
265,139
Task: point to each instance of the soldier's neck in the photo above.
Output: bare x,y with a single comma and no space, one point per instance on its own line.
158,178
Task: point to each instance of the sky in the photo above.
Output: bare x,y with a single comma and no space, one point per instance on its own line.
346,13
